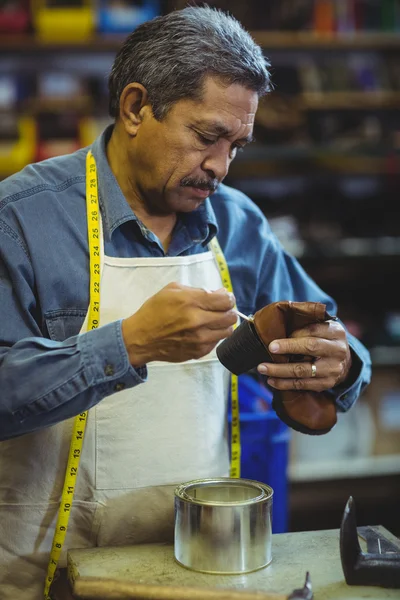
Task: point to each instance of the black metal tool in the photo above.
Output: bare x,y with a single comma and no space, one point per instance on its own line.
371,568
376,543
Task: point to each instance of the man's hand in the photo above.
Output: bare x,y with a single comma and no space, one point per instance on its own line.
178,323
327,346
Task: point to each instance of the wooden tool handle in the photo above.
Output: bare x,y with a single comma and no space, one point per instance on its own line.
94,588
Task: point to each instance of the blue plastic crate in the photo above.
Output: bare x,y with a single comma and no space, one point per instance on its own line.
265,445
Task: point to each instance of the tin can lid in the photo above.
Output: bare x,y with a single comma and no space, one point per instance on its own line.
224,491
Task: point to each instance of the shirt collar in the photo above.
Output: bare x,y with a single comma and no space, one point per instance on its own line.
201,223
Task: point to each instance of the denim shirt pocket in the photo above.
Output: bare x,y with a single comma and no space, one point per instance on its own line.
64,323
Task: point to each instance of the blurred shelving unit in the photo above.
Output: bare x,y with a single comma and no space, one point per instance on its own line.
311,40
325,169
270,40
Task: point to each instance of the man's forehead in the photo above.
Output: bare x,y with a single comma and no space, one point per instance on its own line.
235,99
223,110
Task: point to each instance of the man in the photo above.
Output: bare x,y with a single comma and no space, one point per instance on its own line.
184,90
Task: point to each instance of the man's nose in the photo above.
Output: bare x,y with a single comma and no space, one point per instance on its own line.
217,163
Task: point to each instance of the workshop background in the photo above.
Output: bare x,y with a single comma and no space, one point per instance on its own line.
325,170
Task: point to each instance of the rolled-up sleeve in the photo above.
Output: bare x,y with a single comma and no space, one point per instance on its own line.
346,394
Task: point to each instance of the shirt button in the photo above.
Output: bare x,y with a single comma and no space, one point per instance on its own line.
119,386
108,370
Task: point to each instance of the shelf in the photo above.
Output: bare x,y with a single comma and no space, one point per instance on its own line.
260,151
349,100
280,169
81,104
345,165
28,43
275,39
355,247
357,467
348,248
266,39
261,160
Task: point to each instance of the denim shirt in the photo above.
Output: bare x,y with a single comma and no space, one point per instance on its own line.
48,371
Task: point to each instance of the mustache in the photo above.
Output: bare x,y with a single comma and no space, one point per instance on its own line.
202,184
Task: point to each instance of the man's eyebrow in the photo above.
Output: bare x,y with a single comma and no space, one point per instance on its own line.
219,129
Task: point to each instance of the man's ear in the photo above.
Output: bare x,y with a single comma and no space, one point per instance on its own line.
133,99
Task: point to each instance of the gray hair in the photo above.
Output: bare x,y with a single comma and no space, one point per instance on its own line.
171,55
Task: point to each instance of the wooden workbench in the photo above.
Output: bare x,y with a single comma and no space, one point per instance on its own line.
293,555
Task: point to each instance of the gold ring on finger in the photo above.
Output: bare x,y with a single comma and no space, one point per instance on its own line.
313,370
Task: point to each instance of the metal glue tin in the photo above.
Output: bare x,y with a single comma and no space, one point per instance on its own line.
223,525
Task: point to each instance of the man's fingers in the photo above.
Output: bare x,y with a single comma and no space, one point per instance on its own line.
330,330
309,346
314,385
314,376
318,375
303,370
220,300
220,320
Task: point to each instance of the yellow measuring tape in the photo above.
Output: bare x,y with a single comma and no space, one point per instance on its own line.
235,427
78,432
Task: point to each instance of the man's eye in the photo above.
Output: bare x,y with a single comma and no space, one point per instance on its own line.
204,140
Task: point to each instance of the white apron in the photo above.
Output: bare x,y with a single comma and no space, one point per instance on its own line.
139,444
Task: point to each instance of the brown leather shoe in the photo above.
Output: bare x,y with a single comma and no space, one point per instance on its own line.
305,411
